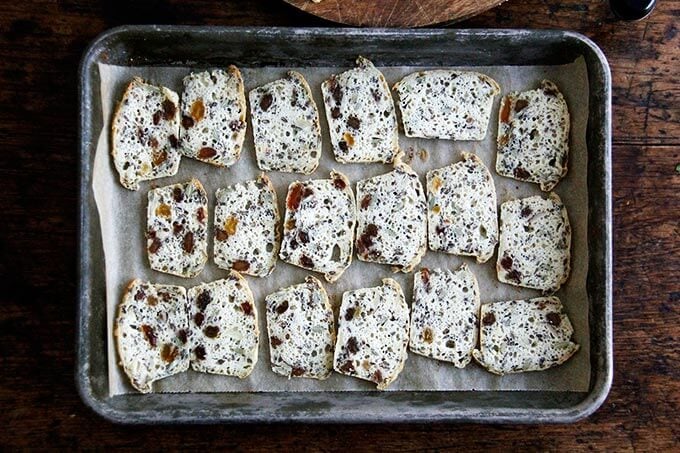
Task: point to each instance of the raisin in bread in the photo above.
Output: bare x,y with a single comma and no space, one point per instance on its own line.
446,104
444,314
246,227
318,227
177,228
224,329
361,115
534,250
373,327
286,125
144,133
301,330
462,213
152,332
213,122
524,335
533,136
392,218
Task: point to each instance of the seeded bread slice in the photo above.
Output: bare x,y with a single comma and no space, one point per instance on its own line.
318,228
392,218
462,213
444,314
533,136
361,115
177,228
301,330
446,104
213,122
224,329
247,236
144,134
534,250
151,332
373,334
524,335
286,125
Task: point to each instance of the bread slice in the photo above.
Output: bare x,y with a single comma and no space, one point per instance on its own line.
177,228
301,330
533,136
144,134
247,236
444,314
373,334
462,213
286,125
318,228
392,218
224,329
361,115
447,104
535,243
524,335
151,332
213,116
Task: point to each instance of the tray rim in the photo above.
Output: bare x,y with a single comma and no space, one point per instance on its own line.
594,398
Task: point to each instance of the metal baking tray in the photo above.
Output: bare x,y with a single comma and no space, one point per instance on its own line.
296,47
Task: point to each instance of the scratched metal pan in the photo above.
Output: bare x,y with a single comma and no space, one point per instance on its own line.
291,47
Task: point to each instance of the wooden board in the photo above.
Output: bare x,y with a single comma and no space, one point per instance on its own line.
394,13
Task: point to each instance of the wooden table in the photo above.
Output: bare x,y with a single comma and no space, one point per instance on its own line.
41,43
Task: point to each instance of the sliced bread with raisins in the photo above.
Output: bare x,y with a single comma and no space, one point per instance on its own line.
286,125
392,218
144,134
361,116
224,329
318,227
535,242
152,333
247,236
301,330
446,104
213,122
524,335
462,213
444,314
533,136
373,327
177,229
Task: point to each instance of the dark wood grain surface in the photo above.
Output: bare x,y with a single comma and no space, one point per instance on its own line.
40,45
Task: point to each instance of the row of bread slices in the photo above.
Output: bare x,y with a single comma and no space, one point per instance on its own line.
393,220
161,329
150,132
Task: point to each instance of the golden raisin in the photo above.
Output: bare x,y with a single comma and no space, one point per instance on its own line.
349,139
197,110
436,183
290,224
230,226
163,210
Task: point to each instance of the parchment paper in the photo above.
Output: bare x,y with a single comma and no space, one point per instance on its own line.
123,222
